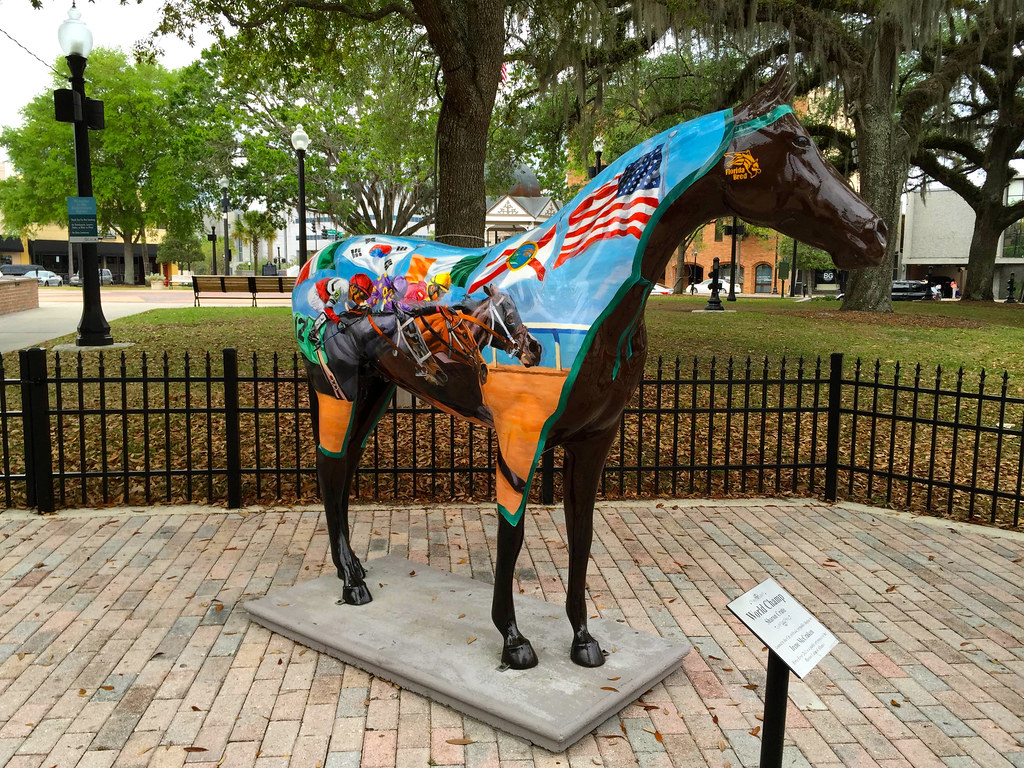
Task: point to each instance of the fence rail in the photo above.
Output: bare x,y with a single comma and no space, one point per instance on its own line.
113,429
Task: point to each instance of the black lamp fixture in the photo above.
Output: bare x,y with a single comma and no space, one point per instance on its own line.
300,142
595,169
73,106
224,211
212,237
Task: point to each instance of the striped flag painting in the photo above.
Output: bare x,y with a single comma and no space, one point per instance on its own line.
619,208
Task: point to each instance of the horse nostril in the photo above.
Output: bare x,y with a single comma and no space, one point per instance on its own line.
882,229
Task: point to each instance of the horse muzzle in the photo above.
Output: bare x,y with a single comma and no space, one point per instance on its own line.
866,249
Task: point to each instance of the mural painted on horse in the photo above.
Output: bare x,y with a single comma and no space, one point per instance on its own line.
555,316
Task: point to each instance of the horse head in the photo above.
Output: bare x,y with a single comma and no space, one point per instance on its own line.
773,175
505,318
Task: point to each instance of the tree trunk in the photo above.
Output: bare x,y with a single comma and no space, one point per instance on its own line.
461,153
469,39
982,256
884,152
129,261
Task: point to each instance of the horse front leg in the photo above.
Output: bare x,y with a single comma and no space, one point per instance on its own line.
516,650
584,463
343,426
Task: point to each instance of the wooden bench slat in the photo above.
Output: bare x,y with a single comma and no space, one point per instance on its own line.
253,285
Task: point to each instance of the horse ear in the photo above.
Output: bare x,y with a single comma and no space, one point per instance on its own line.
488,290
769,95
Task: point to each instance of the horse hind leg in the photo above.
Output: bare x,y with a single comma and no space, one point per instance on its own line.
343,426
584,463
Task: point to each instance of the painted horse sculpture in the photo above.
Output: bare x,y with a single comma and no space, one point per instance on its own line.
579,283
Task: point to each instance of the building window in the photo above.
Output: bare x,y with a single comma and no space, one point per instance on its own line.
763,279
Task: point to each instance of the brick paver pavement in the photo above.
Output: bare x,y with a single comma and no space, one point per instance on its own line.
124,640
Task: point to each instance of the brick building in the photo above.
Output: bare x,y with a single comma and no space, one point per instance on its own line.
755,260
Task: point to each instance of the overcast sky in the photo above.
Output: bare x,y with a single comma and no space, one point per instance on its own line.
112,25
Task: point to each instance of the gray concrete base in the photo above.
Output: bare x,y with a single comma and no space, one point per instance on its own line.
430,631
713,311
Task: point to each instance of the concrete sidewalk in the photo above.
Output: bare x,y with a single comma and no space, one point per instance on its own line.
124,639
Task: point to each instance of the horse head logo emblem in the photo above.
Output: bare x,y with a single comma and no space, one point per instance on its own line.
741,165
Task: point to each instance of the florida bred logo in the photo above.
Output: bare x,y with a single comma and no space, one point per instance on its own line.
741,165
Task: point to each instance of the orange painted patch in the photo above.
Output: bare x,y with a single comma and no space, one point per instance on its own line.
521,399
335,418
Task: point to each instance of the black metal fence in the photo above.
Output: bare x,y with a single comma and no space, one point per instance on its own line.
103,429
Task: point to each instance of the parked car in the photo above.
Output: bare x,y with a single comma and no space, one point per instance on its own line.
106,278
704,287
660,290
17,270
910,290
46,277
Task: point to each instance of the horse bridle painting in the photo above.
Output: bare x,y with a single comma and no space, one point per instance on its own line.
555,316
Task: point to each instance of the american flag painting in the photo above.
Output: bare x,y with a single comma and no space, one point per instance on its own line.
620,208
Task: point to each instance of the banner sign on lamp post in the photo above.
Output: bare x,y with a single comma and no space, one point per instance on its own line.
82,220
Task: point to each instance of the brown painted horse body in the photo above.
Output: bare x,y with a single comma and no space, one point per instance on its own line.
795,191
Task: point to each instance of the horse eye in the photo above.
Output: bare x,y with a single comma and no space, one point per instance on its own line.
802,141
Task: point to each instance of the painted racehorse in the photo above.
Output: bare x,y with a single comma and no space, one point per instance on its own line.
581,282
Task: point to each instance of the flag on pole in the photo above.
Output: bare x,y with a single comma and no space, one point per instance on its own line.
620,208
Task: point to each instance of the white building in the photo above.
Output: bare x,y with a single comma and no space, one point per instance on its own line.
937,230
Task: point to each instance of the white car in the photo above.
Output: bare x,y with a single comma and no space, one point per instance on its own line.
660,290
46,277
703,288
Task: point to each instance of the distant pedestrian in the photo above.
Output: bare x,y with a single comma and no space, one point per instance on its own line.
954,289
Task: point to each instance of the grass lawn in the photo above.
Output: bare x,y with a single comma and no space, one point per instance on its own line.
950,334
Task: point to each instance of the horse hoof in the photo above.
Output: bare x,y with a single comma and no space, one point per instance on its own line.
357,594
587,653
520,656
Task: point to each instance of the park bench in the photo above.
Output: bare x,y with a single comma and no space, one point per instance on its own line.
211,285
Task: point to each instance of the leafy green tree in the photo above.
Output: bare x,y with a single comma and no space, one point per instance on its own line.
139,164
982,131
370,165
862,48
181,249
255,227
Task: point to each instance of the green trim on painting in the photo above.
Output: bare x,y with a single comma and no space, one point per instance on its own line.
332,454
635,277
752,126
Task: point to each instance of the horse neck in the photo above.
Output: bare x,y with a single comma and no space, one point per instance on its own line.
699,204
481,312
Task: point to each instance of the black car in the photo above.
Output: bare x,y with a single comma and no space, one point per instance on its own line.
18,270
910,290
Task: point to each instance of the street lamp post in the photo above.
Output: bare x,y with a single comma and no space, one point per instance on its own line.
792,273
300,142
735,231
75,107
212,237
224,210
595,169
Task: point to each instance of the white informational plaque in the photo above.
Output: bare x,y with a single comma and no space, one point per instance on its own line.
785,626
